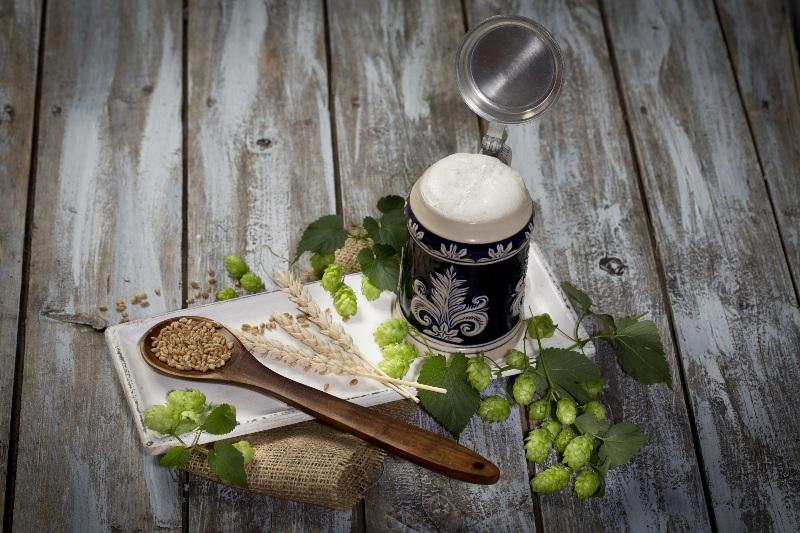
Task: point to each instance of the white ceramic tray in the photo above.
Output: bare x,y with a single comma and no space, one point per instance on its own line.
144,387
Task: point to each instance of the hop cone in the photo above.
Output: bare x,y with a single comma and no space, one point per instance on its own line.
401,351
479,374
596,408
370,291
553,426
251,282
541,326
564,437
319,262
235,265
586,484
390,332
395,368
566,411
539,409
332,277
551,480
537,445
494,409
593,387
578,451
524,388
226,294
345,301
516,359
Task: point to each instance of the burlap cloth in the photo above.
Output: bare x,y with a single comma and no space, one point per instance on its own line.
311,462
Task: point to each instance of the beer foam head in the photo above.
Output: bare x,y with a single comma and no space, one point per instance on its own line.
474,190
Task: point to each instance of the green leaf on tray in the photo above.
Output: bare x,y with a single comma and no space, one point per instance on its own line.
620,443
381,265
221,420
578,297
588,424
567,369
176,456
323,236
640,351
228,464
185,426
454,409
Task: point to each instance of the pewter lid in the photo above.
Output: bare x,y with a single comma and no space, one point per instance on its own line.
509,69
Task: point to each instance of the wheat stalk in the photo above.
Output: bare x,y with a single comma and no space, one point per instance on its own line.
314,362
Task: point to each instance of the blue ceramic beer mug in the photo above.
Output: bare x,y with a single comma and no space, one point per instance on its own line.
469,216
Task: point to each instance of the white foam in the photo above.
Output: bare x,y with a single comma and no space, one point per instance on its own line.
473,189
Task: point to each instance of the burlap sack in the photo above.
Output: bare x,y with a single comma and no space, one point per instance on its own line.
312,463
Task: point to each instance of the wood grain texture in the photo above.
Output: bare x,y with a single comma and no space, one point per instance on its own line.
106,225
762,46
397,112
736,316
396,104
260,165
19,43
577,163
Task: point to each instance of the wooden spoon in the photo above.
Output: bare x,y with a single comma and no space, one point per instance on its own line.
404,440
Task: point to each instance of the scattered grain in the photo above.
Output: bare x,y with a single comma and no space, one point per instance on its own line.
211,272
353,382
204,294
190,301
212,281
102,308
326,386
195,285
158,292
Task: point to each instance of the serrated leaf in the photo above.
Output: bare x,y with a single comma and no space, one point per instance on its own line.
578,297
390,230
221,420
568,367
323,236
620,443
454,409
228,464
176,456
588,424
381,264
641,352
391,203
185,426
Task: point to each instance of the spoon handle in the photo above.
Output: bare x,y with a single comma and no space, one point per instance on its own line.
403,440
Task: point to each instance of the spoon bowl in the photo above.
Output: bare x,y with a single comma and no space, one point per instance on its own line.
422,447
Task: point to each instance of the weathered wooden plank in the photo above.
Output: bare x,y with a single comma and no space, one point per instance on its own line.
260,168
395,100
577,163
735,312
398,111
19,42
106,224
762,46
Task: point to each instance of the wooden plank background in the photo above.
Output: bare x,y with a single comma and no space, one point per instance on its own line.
665,179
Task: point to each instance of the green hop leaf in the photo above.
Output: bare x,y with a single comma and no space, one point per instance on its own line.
186,400
564,437
370,291
176,456
593,387
567,369
221,420
345,301
641,352
381,265
494,409
390,230
391,331
479,373
332,277
235,265
454,409
251,283
551,479
227,463
161,419
620,443
189,421
579,298
226,294
588,424
537,445
246,450
539,409
596,408
516,359
578,451
391,203
565,411
523,389
395,368
402,351
323,236
586,484
541,327
553,426
320,261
